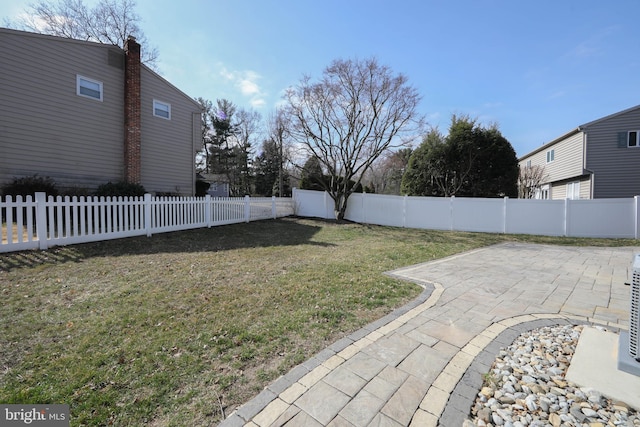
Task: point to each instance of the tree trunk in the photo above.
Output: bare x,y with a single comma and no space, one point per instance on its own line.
339,206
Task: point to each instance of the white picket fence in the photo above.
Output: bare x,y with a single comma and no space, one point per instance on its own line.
612,218
45,221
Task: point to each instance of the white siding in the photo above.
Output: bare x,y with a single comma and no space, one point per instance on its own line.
558,191
585,188
568,158
567,163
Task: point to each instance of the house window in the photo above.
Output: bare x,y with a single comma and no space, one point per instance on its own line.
573,190
550,156
161,109
632,138
542,192
88,88
528,163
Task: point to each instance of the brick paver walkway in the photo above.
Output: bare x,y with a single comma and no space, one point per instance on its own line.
423,364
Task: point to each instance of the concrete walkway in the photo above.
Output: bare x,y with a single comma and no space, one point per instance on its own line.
423,364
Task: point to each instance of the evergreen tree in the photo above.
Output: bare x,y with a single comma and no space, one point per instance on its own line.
267,169
312,177
223,130
470,161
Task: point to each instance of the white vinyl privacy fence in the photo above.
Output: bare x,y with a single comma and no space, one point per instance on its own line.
42,222
613,218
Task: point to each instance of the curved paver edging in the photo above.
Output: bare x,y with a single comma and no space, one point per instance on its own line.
449,400
314,369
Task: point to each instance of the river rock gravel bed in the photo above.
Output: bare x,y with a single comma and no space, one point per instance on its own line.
526,387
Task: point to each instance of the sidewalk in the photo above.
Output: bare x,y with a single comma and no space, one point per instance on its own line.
423,364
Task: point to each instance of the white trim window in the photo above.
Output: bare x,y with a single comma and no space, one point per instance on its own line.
162,109
573,190
551,154
88,88
633,138
542,192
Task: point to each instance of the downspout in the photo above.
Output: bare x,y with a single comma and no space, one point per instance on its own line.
196,142
586,171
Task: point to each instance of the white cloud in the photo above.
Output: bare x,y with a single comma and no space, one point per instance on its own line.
248,87
258,102
247,83
35,21
226,74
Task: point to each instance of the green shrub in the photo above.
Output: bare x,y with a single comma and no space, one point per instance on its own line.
29,185
121,188
75,191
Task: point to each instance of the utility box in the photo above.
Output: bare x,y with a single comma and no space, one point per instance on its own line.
629,342
634,320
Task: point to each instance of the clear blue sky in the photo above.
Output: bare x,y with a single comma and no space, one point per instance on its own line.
537,68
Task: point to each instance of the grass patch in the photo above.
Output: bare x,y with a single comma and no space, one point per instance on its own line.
176,329
16,230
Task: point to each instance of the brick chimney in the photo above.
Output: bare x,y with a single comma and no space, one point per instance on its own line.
132,106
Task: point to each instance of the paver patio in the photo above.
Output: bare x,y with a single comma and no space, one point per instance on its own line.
422,365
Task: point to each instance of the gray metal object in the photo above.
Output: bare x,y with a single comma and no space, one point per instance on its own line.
629,343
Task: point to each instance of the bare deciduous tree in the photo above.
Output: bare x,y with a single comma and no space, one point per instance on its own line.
202,158
357,111
278,131
385,176
248,131
109,22
529,180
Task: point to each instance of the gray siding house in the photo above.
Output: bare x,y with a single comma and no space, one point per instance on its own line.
85,114
599,159
218,184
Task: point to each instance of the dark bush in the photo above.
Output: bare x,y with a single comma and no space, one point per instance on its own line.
75,191
120,188
201,188
29,185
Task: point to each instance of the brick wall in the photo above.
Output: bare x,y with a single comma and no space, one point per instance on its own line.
132,112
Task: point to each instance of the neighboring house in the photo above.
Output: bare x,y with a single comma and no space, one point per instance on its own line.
218,184
599,159
85,114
